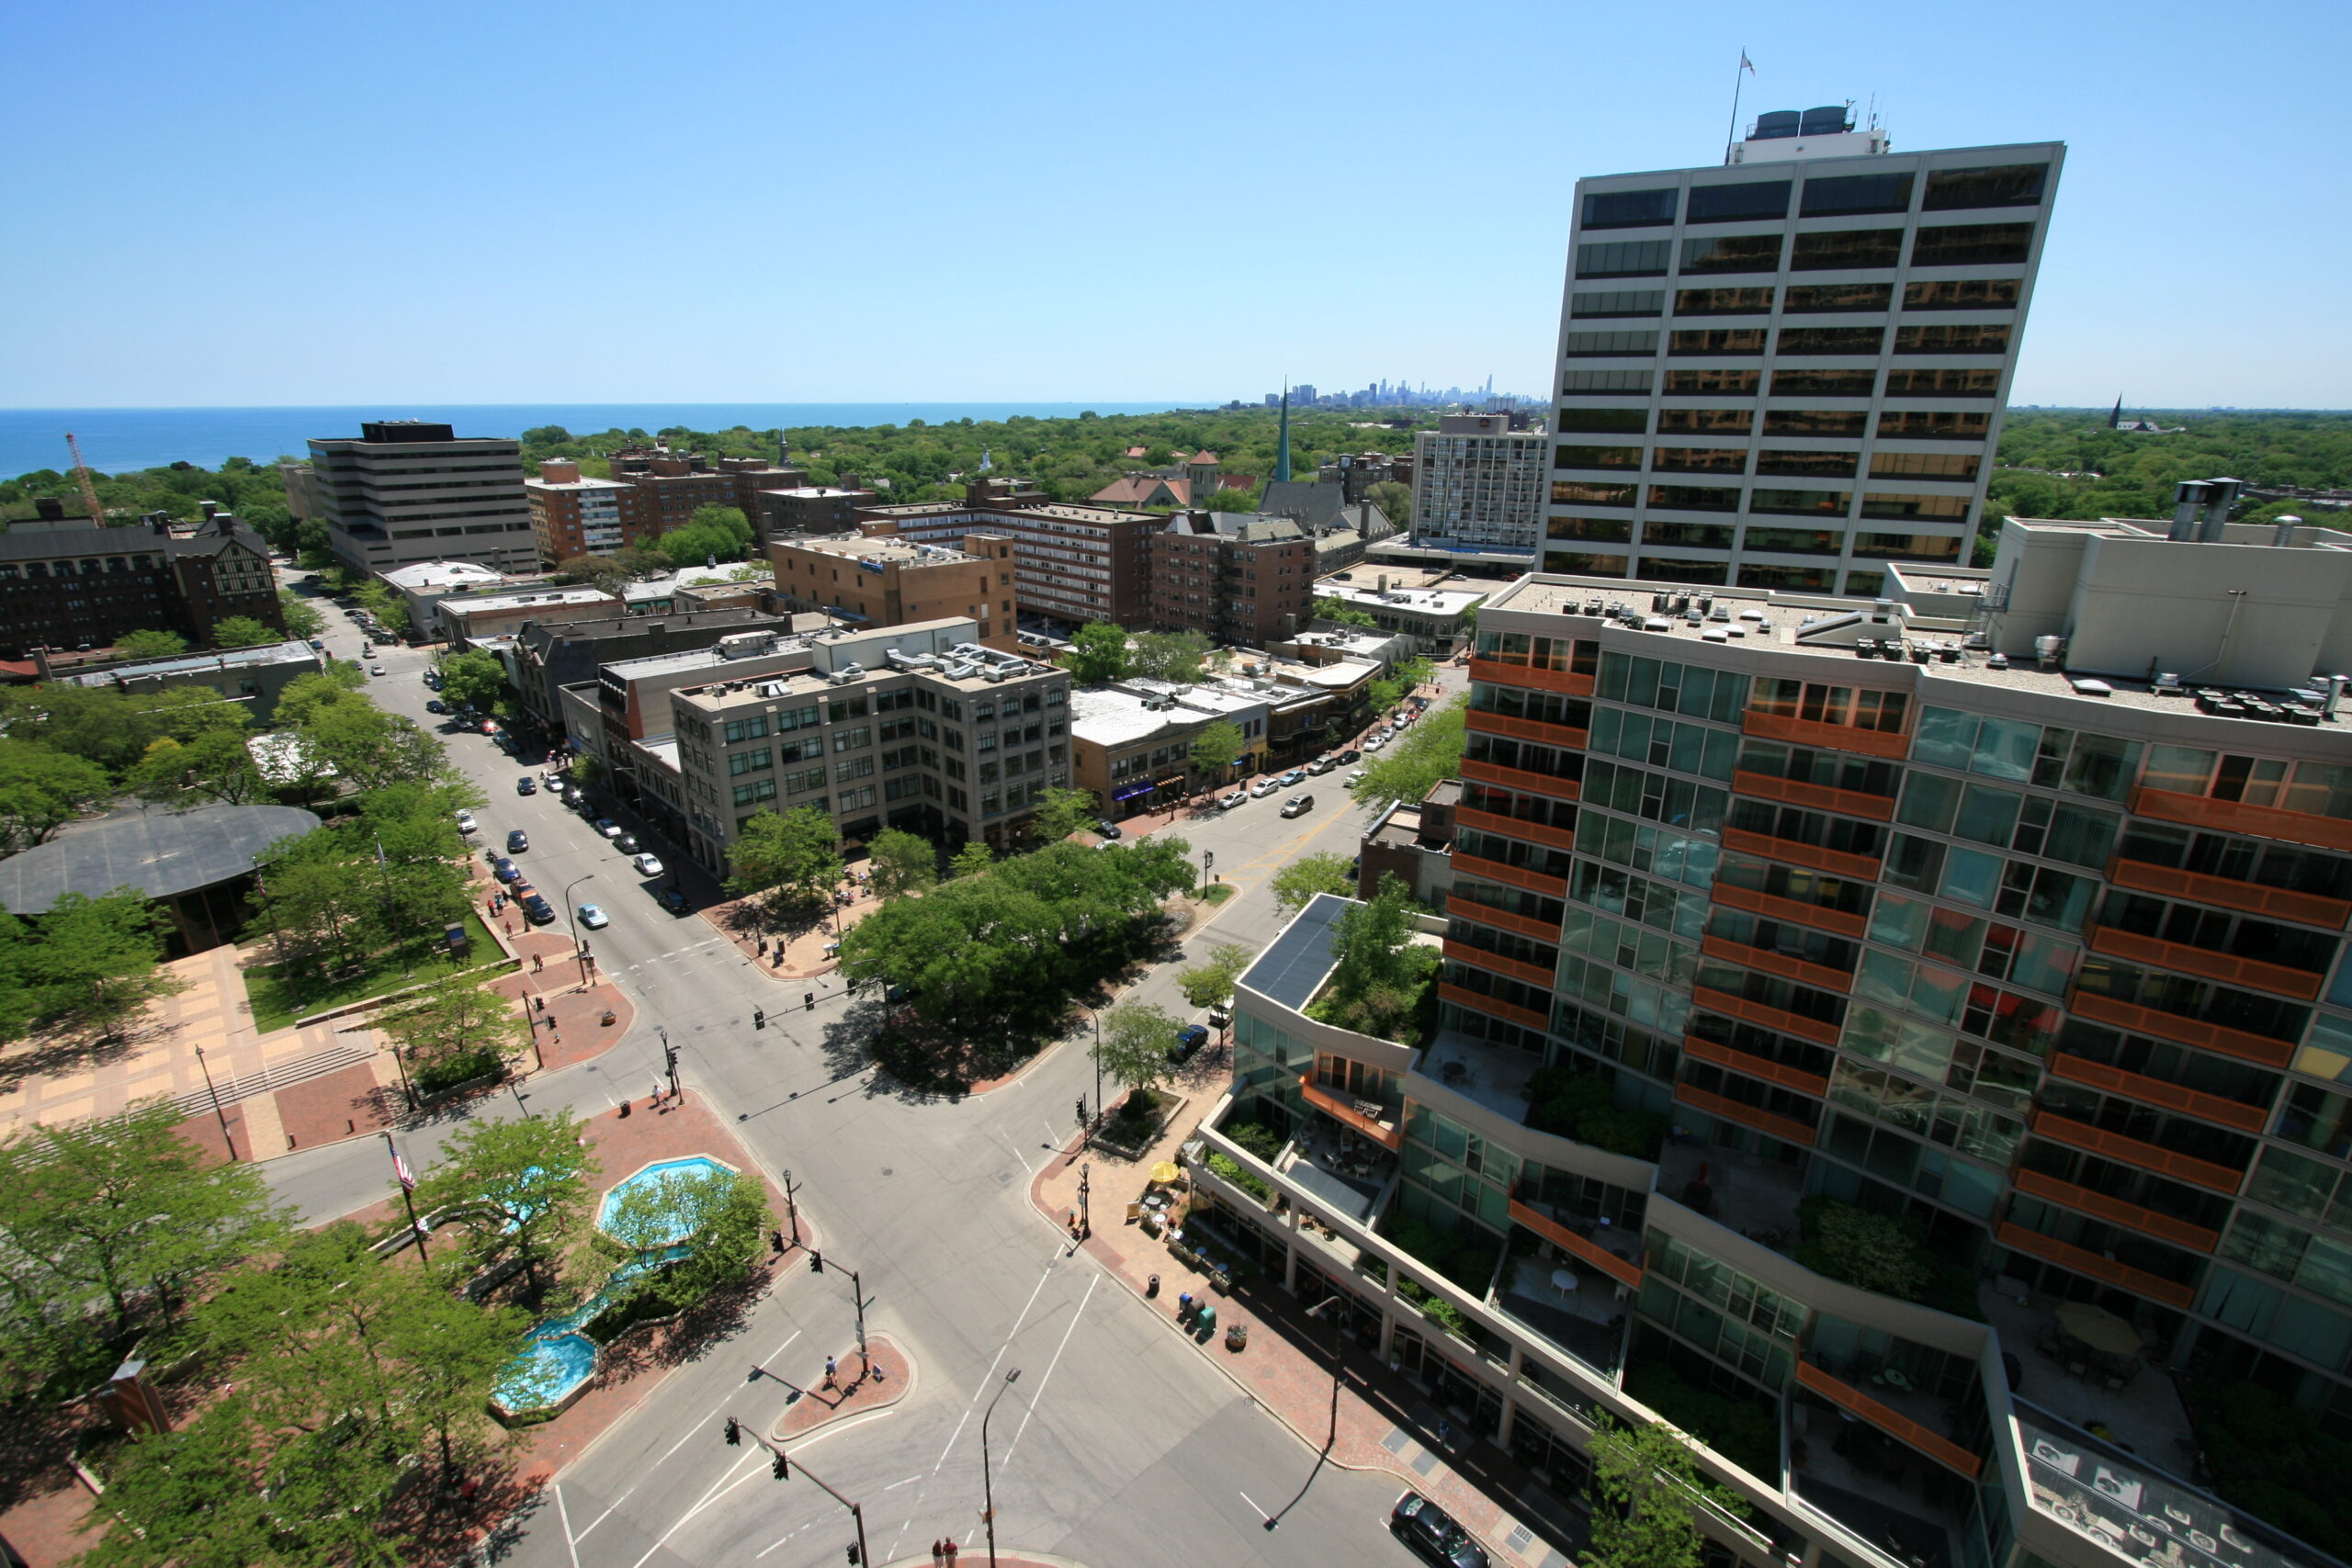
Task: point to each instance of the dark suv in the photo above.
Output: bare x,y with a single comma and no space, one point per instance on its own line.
1432,1534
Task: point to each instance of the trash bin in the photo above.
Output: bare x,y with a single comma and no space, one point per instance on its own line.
611,1016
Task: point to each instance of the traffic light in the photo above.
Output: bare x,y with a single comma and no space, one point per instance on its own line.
853,1554
815,1263
1081,1111
734,1432
782,1469
759,1018
809,1000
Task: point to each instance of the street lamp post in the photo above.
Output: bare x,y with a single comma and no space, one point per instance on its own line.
669,1062
531,1023
1338,1370
987,1485
791,1208
1208,861
1087,1126
568,912
218,1115
1085,1211
857,1297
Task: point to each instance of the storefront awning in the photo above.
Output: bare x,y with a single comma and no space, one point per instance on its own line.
1132,791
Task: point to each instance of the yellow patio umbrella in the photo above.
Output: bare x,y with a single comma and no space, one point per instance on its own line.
1166,1172
2099,1328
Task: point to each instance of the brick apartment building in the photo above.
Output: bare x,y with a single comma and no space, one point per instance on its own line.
885,581
674,485
66,582
1071,564
804,511
1238,578
575,516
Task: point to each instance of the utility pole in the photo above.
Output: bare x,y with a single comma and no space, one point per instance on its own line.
791,1208
670,1061
1085,1213
407,1180
865,1368
733,1431
218,1115
987,1486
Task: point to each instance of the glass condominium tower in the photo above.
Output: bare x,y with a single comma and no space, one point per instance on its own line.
1788,371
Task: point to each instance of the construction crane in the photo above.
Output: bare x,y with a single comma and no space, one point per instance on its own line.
82,473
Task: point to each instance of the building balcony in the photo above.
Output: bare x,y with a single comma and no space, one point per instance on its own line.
1784,1128
1793,910
2226,967
1780,1018
1564,1236
1521,779
2115,1211
1462,909
2132,1152
1789,852
2237,817
2181,1031
1820,976
1745,1193
1526,1018
1562,735
1888,1419
1828,736
1515,828
1586,1321
1755,1066
1364,1115
1530,678
2154,1287
2251,897
2156,1091
1496,871
1494,964
1814,798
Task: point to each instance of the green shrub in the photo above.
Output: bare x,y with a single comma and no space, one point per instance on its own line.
432,1080
1226,1166
2272,1459
1744,1431
1579,1105
1257,1137
1875,1252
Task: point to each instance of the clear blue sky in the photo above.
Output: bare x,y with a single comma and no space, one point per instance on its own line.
502,200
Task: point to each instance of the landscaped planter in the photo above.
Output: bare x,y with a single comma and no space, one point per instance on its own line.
1112,1137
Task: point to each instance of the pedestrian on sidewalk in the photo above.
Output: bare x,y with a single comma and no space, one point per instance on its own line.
831,1371
951,1550
938,1550
657,1091
538,961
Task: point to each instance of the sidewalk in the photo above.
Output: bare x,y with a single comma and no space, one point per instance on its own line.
804,956
1380,1420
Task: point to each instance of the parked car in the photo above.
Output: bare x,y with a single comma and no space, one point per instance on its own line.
1298,806
319,643
1378,741
606,826
1264,787
1355,775
517,841
1294,778
527,785
648,866
489,726
506,870
1221,1015
537,909
1189,1039
1230,801
1350,755
673,900
374,670
625,843
1321,765
436,705
1431,1533
593,917
466,823
1109,829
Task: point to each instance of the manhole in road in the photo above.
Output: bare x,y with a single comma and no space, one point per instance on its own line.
1005,1178
887,1171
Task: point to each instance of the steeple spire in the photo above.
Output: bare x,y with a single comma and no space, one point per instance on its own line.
2116,419
1281,450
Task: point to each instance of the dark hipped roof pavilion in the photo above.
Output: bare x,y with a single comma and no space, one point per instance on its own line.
175,858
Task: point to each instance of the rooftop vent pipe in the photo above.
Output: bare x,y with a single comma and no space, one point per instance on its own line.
2187,500
2223,494
2283,530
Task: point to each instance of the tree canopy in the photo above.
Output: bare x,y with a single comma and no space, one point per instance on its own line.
474,679
1216,750
1296,883
720,532
148,643
798,852
1179,658
1212,980
1431,749
1645,1490
42,790
1381,978
1098,654
454,1028
902,862
1340,612
89,966
1136,1040
242,631
1062,812
521,1188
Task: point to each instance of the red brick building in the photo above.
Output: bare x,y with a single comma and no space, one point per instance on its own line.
1234,577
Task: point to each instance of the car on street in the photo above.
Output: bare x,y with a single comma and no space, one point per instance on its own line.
537,909
606,826
625,843
1111,830
489,726
1431,1533
676,901
1355,775
1264,787
374,670
1221,1015
506,870
1189,1039
1230,801
517,841
1298,806
436,705
593,917
648,866
1350,755
1294,778
1321,765
1378,741
320,643
466,823
527,785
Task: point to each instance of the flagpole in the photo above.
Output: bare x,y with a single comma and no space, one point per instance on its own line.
1733,134
408,1195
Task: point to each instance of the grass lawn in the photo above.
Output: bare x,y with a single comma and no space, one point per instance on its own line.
275,1008
1219,892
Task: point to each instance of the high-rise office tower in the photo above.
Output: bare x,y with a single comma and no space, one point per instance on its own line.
1788,370
1477,483
409,490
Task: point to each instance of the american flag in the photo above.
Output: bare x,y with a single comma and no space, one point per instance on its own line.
1744,64
400,1169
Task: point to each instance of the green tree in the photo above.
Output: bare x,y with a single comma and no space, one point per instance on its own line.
1394,501
1209,982
902,863
213,769
600,572
640,560
1380,975
1062,812
378,600
42,790
303,618
122,1217
1136,1038
473,679
371,748
795,851
521,1188
454,1030
151,644
305,695
1098,654
1296,883
1217,748
1179,658
1340,612
720,532
98,963
721,1218
1877,1252
1645,1493
1231,500
1430,751
972,859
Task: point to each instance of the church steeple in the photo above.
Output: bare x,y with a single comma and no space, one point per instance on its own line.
1282,449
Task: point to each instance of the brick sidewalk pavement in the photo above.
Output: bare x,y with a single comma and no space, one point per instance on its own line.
819,1406
1379,1420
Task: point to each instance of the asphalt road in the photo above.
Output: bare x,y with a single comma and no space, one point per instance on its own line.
1119,1444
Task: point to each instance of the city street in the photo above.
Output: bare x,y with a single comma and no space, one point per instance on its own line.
1117,1445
